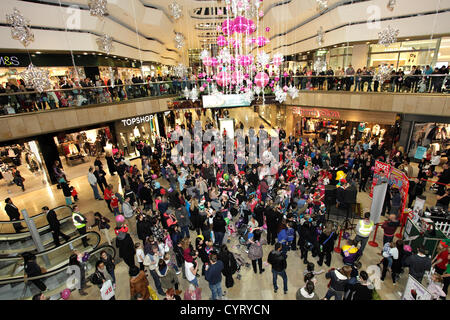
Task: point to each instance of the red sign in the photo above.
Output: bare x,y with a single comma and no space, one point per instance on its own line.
316,113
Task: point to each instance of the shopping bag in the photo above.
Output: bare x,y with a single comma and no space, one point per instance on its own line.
107,290
153,294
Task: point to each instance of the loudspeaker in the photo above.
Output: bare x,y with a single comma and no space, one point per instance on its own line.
330,194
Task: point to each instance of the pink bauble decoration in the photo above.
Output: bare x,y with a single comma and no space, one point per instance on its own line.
227,27
286,74
207,61
262,41
219,28
277,60
261,14
238,77
209,80
221,41
154,176
120,218
254,68
240,24
267,66
204,85
233,82
285,88
267,29
246,60
214,62
201,89
223,78
251,27
277,78
246,76
261,79
65,294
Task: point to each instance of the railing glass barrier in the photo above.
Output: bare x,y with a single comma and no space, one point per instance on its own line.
55,281
51,259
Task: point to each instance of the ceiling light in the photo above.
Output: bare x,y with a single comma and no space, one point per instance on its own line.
335,46
406,39
368,42
85,53
38,52
100,54
114,56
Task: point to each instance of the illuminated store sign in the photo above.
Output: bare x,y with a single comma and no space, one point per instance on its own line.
316,113
9,61
137,120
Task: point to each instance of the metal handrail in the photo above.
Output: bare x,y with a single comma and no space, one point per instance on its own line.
35,216
53,272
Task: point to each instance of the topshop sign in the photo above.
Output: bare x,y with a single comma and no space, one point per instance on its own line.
137,120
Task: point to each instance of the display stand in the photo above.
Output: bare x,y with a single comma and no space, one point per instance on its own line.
418,236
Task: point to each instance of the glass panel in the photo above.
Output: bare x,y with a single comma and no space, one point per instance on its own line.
384,58
409,59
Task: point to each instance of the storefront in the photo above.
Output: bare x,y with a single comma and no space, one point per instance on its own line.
21,163
430,132
337,124
130,132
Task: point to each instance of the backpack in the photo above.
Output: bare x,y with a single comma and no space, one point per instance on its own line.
290,234
255,251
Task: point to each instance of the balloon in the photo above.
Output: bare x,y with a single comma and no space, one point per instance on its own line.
267,29
154,176
157,185
226,176
227,221
261,79
340,175
245,60
120,218
65,294
214,62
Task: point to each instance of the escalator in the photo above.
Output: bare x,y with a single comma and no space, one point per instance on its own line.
51,259
15,288
13,244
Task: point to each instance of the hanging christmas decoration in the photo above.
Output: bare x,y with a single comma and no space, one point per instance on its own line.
249,95
179,40
322,4
319,65
277,59
186,93
263,58
193,96
320,36
20,27
257,90
37,78
176,10
280,95
293,92
388,36
225,56
98,8
111,76
105,43
180,70
204,54
391,4
383,73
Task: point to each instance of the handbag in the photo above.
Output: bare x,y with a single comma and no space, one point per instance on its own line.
153,294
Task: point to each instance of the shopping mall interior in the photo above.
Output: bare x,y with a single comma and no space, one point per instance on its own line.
224,150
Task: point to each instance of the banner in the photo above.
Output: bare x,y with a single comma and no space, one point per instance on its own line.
400,180
414,290
379,193
380,172
420,153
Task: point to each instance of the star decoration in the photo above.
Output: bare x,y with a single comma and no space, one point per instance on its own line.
105,43
20,27
98,8
37,78
388,36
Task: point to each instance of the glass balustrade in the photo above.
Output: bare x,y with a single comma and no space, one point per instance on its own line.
55,280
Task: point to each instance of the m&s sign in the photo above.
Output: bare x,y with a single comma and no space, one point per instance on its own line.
8,61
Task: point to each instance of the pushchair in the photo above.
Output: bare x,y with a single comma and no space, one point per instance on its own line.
240,260
242,232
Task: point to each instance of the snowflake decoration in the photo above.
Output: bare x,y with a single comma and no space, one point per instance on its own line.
388,36
98,8
37,78
186,93
257,90
263,58
322,4
391,4
111,76
204,54
179,40
176,10
293,92
20,27
225,56
320,36
382,74
319,65
105,43
280,95
194,94
180,70
249,95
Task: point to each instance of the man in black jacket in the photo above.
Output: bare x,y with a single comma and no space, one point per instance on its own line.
418,264
13,213
54,224
272,220
279,265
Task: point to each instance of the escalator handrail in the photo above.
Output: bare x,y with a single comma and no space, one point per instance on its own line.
53,272
56,248
33,217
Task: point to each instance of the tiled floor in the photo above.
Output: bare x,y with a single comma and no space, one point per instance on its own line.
251,286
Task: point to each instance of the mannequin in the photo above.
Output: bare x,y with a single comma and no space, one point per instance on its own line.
132,142
123,140
376,130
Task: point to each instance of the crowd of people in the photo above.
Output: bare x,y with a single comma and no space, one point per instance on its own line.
186,227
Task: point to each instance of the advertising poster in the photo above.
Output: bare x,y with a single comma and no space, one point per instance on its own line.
400,180
420,153
414,290
380,173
